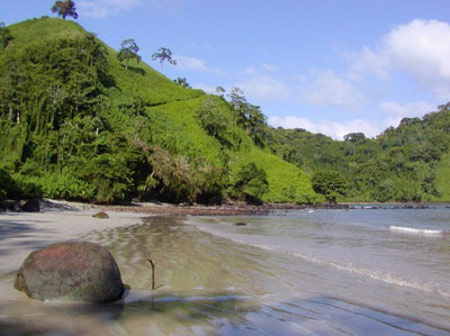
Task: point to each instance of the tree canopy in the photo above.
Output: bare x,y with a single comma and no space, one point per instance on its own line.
182,81
331,184
128,50
164,55
65,8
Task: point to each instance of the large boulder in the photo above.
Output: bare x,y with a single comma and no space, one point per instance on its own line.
32,205
74,271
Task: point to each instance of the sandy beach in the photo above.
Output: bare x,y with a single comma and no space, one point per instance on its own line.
210,281
185,283
22,233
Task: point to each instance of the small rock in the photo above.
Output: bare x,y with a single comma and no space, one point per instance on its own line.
101,215
240,224
73,271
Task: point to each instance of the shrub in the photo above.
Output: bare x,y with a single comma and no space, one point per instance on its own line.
251,182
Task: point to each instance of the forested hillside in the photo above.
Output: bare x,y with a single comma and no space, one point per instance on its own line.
77,123
407,163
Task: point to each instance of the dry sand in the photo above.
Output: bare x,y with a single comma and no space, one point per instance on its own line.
22,233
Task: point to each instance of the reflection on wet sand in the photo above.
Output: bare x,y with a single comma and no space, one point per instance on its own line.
152,314
186,258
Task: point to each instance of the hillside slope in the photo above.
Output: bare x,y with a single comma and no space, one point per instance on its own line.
406,163
76,124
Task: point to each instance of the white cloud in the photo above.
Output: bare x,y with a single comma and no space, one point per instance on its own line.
205,87
396,112
269,67
335,129
420,48
264,68
103,8
417,109
250,70
191,63
329,89
265,88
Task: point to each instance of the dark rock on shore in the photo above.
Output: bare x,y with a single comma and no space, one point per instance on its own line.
31,205
101,215
240,224
10,205
72,271
332,206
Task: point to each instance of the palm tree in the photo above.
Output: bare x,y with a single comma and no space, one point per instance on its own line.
65,8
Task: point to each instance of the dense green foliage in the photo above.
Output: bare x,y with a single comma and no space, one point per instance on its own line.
407,163
250,182
5,36
329,183
77,124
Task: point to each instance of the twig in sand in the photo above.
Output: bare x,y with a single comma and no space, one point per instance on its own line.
153,272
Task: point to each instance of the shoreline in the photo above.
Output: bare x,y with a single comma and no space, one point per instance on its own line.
171,210
238,209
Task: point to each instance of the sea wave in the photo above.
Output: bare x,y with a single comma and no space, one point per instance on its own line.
346,267
405,229
376,275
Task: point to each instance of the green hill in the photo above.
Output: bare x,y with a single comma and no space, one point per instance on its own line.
77,124
408,163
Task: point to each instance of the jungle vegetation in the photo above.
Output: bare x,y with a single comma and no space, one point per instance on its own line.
406,163
82,121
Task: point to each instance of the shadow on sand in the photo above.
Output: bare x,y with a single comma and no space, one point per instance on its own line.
217,314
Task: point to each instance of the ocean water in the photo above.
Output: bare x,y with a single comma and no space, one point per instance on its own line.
405,248
321,272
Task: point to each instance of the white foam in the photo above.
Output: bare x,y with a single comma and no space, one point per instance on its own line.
411,230
376,275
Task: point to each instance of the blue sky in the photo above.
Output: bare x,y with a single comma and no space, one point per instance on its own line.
333,67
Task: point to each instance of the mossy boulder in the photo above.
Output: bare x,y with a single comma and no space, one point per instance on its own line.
71,271
101,215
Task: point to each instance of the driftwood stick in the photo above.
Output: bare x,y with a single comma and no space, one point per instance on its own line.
153,264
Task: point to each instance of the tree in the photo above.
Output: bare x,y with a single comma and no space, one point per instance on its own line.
5,36
247,115
355,137
255,122
182,82
444,107
251,182
212,118
128,50
329,183
220,91
164,55
65,8
238,104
